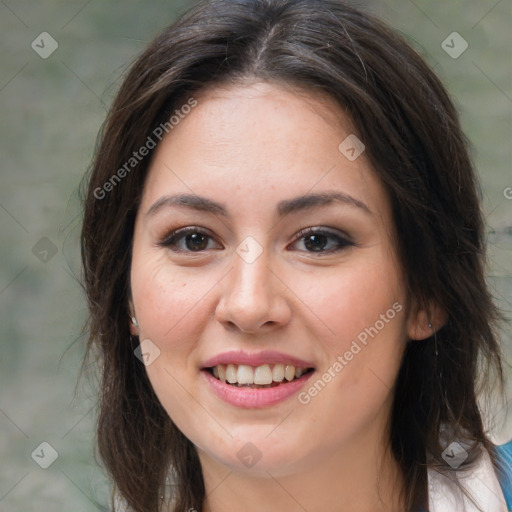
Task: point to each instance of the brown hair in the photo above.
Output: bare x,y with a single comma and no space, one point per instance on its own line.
417,149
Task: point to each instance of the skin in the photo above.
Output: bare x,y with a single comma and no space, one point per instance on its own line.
249,147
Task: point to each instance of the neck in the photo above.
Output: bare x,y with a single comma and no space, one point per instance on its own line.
354,477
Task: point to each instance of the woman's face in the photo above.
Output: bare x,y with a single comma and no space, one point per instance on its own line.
286,270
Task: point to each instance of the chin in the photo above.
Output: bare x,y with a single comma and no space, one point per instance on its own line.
254,452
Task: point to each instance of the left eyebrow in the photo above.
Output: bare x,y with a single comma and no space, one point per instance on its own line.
322,199
285,207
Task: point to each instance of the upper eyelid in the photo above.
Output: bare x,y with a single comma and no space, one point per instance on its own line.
187,229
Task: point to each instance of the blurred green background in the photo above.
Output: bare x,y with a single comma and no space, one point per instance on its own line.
51,111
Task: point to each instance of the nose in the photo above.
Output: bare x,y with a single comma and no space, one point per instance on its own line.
254,298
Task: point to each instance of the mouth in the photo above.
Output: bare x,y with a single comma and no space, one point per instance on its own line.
256,380
257,377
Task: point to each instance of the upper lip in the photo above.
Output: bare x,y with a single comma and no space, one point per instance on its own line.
256,359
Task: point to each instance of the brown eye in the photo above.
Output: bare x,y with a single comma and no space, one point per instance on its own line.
316,242
321,241
196,241
188,239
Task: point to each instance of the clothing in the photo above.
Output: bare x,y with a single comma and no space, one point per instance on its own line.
504,454
492,492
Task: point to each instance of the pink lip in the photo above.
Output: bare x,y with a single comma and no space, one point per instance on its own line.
250,398
256,359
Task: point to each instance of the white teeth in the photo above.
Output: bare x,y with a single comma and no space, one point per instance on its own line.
278,373
289,372
222,372
263,374
245,374
231,373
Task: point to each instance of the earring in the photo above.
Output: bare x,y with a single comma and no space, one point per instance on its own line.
134,321
430,325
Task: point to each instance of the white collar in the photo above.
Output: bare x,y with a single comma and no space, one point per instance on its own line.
481,483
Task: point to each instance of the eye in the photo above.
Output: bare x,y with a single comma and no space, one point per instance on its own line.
189,239
318,240
315,240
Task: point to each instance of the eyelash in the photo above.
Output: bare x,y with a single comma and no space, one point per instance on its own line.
170,241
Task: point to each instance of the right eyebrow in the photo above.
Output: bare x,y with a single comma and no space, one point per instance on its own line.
190,201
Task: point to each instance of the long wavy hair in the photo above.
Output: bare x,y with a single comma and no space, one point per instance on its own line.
416,147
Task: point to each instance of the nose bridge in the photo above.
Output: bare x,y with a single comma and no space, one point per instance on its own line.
250,282
250,296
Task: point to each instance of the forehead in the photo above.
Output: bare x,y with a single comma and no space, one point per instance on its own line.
261,142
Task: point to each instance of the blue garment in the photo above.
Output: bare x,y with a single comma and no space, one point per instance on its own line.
504,456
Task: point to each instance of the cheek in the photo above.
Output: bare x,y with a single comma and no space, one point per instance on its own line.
363,330
168,302
170,311
352,298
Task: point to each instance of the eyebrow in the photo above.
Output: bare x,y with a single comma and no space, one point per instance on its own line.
285,207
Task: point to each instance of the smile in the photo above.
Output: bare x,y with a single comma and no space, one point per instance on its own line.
255,380
259,377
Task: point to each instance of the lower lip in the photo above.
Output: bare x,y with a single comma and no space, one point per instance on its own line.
253,398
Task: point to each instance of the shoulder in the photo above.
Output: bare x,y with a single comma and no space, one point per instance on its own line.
481,488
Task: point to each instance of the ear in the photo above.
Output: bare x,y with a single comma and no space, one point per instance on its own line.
134,330
425,322
134,327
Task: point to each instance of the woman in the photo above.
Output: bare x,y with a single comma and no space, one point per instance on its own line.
283,255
